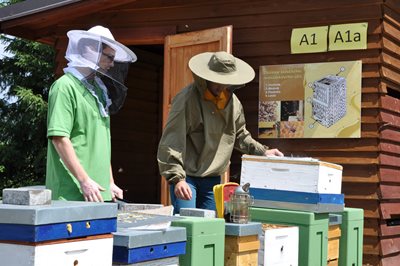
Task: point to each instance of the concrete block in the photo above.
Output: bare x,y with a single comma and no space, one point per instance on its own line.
137,206
27,196
335,219
251,228
197,212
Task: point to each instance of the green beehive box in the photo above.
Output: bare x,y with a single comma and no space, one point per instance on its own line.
351,240
205,241
313,231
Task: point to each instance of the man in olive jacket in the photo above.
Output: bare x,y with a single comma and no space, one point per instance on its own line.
206,122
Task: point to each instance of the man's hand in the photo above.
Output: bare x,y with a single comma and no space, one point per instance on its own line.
116,192
91,190
273,152
183,191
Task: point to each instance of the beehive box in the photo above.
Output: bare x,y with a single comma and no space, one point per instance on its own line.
93,250
58,220
279,245
171,261
59,233
242,244
304,184
313,231
205,241
137,246
351,240
333,242
241,250
334,234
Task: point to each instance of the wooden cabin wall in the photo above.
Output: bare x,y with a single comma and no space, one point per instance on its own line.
135,130
261,36
389,137
60,48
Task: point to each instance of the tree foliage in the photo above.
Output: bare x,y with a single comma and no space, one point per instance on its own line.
25,79
23,140
8,2
31,66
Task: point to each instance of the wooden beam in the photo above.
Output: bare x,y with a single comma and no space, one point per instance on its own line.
58,15
143,35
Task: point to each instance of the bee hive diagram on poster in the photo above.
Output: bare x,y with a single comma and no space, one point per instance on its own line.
316,100
329,100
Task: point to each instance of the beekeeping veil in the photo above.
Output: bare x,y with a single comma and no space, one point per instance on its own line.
96,54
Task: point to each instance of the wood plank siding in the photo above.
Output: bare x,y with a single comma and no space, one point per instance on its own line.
135,130
389,137
261,36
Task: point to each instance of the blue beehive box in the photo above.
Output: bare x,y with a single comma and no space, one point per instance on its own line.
135,246
58,220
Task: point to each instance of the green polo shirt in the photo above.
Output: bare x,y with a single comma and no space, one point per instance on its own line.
74,113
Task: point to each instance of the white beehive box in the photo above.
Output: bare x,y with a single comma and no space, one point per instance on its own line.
279,246
291,174
94,252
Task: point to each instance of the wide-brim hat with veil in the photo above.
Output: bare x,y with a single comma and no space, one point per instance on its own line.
221,67
102,35
85,50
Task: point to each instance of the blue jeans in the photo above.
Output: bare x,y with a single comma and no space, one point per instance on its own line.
202,193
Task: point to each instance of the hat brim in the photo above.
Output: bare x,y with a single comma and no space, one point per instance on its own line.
122,53
244,73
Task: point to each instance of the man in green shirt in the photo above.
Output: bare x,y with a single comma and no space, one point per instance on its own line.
206,122
78,123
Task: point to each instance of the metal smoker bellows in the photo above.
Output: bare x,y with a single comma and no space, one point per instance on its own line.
240,203
329,100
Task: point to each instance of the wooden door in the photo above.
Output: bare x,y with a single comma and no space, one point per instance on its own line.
178,49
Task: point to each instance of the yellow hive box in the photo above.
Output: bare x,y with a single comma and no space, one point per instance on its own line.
334,234
241,250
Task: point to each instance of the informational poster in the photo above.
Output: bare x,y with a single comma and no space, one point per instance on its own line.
316,100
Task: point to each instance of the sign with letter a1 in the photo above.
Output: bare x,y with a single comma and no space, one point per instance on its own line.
309,40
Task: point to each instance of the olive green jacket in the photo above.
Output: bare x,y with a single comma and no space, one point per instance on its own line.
198,139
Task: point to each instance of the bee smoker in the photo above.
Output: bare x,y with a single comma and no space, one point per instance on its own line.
239,205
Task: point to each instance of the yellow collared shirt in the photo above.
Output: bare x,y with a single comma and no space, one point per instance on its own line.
220,101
